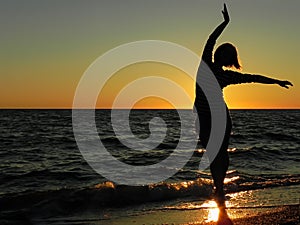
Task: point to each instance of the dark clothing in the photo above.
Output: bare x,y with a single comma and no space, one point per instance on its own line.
224,78
219,163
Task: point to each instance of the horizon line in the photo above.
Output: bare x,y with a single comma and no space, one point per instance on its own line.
124,108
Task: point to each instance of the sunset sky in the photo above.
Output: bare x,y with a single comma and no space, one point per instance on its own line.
46,46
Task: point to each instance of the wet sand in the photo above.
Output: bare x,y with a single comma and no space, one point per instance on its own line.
285,215
281,215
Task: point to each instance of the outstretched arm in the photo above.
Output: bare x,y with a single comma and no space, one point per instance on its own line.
266,80
208,49
239,78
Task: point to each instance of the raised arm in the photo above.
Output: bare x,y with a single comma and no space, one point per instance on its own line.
208,49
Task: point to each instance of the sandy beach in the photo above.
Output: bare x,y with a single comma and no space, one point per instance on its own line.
177,212
285,215
282,215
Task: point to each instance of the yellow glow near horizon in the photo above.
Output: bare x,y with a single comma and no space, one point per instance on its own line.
142,70
153,103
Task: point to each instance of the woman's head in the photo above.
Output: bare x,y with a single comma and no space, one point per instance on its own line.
226,55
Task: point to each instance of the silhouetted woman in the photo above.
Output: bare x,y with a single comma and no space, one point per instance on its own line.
225,56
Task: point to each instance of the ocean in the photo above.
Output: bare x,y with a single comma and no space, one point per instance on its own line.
46,180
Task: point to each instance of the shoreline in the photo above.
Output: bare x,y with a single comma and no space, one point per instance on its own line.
270,215
272,206
279,215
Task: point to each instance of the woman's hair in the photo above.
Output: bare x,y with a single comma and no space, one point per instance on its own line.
226,55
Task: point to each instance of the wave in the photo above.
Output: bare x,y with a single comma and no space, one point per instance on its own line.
45,204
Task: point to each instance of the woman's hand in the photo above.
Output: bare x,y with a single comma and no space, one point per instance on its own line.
284,83
225,14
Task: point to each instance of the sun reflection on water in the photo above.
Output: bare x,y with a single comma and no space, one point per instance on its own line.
213,211
232,179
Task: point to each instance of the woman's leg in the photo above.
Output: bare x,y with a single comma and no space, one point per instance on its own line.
220,164
218,169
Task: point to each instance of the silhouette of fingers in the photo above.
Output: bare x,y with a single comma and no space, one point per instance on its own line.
225,13
285,84
225,8
288,83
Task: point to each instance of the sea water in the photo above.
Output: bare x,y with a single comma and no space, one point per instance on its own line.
44,175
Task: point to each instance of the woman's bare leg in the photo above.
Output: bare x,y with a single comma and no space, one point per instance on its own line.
218,169
220,164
